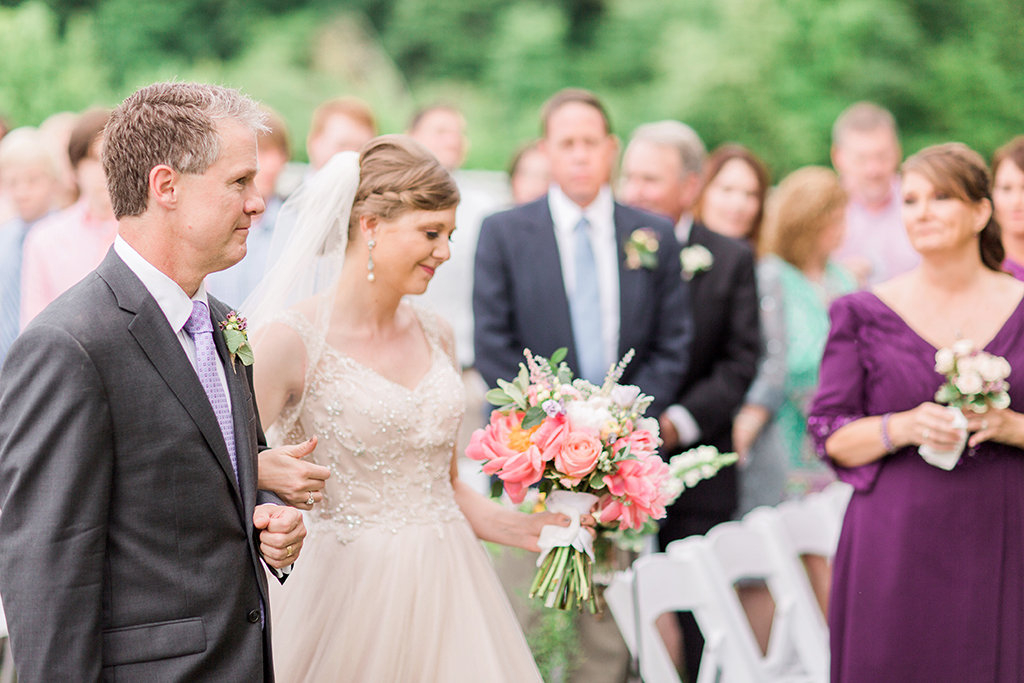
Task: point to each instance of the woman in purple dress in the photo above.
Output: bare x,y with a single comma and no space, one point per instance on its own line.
929,574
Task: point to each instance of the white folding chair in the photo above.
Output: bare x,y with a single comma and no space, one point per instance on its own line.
661,583
735,551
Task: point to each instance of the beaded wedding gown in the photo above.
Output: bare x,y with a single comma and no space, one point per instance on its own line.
392,584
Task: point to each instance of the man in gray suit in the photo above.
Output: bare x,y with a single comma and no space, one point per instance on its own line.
563,272
131,536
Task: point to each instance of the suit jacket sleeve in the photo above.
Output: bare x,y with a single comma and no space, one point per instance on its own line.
56,465
662,371
714,399
498,349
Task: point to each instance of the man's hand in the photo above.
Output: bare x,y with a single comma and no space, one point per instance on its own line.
284,472
281,535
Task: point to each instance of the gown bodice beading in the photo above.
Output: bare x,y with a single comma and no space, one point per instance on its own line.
388,448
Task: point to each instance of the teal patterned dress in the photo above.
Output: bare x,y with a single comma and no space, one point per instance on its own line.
795,324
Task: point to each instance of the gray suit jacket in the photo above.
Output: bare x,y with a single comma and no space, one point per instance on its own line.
519,300
127,550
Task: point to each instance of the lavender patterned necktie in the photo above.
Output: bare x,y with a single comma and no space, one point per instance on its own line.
200,328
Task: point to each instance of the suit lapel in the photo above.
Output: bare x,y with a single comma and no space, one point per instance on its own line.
631,284
241,397
158,341
541,253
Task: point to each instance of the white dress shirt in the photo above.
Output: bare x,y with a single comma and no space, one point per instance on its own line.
566,214
172,300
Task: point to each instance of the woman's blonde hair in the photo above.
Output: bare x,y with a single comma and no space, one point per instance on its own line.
798,211
396,175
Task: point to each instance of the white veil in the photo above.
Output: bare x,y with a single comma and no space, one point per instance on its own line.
307,252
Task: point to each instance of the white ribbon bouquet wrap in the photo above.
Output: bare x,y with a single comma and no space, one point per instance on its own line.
974,380
573,505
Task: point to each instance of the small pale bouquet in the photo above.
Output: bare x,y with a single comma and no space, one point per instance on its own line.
975,380
585,445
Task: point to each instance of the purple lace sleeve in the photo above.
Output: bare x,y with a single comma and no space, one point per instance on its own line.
840,398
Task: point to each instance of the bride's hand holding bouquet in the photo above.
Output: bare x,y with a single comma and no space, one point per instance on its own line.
585,446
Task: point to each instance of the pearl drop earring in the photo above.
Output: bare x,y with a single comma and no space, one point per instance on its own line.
369,264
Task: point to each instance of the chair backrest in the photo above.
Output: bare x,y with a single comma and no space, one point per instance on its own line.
735,551
661,583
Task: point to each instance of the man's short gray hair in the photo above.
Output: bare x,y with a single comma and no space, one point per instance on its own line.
173,124
678,136
863,117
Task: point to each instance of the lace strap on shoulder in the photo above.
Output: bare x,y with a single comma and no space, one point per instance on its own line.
438,334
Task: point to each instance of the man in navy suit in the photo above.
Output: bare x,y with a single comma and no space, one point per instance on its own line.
661,172
564,271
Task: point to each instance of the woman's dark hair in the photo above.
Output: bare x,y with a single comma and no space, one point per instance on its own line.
959,171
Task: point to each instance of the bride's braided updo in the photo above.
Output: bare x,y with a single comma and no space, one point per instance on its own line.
396,175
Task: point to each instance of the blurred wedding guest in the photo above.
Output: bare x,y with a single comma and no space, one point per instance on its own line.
797,279
731,201
7,211
661,172
57,129
234,285
866,153
554,273
343,124
67,246
528,174
28,175
441,128
929,572
1008,202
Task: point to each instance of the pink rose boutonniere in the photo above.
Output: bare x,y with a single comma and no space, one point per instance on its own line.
234,329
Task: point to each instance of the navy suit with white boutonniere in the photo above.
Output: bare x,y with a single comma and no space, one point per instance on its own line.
520,300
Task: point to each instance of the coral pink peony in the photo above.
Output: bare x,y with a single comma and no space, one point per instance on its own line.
638,490
550,436
502,439
641,443
578,455
520,472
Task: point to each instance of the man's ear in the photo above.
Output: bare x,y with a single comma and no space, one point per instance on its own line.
163,186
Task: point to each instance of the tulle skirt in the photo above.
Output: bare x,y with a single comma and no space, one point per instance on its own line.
412,606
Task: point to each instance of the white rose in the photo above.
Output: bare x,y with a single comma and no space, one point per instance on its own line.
590,415
944,360
1000,400
993,368
969,383
962,347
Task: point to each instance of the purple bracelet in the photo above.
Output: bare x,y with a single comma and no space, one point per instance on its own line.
886,441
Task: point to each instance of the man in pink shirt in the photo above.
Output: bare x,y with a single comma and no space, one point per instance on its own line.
67,246
866,153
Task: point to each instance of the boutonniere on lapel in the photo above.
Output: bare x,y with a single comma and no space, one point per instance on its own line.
642,249
695,259
236,339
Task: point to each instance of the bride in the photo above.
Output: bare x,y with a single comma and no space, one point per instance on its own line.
393,583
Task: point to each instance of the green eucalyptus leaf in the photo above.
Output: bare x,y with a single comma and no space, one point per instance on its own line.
497,486
497,397
234,339
244,354
533,417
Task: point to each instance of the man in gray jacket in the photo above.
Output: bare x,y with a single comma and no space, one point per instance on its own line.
132,537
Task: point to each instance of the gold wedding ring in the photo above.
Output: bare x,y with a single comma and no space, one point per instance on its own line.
288,551
309,501
925,433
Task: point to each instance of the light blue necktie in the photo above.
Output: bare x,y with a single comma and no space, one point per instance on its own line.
585,309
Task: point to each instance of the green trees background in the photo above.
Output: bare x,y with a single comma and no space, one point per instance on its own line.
772,74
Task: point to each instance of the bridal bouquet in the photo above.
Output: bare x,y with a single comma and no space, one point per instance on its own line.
975,380
584,445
